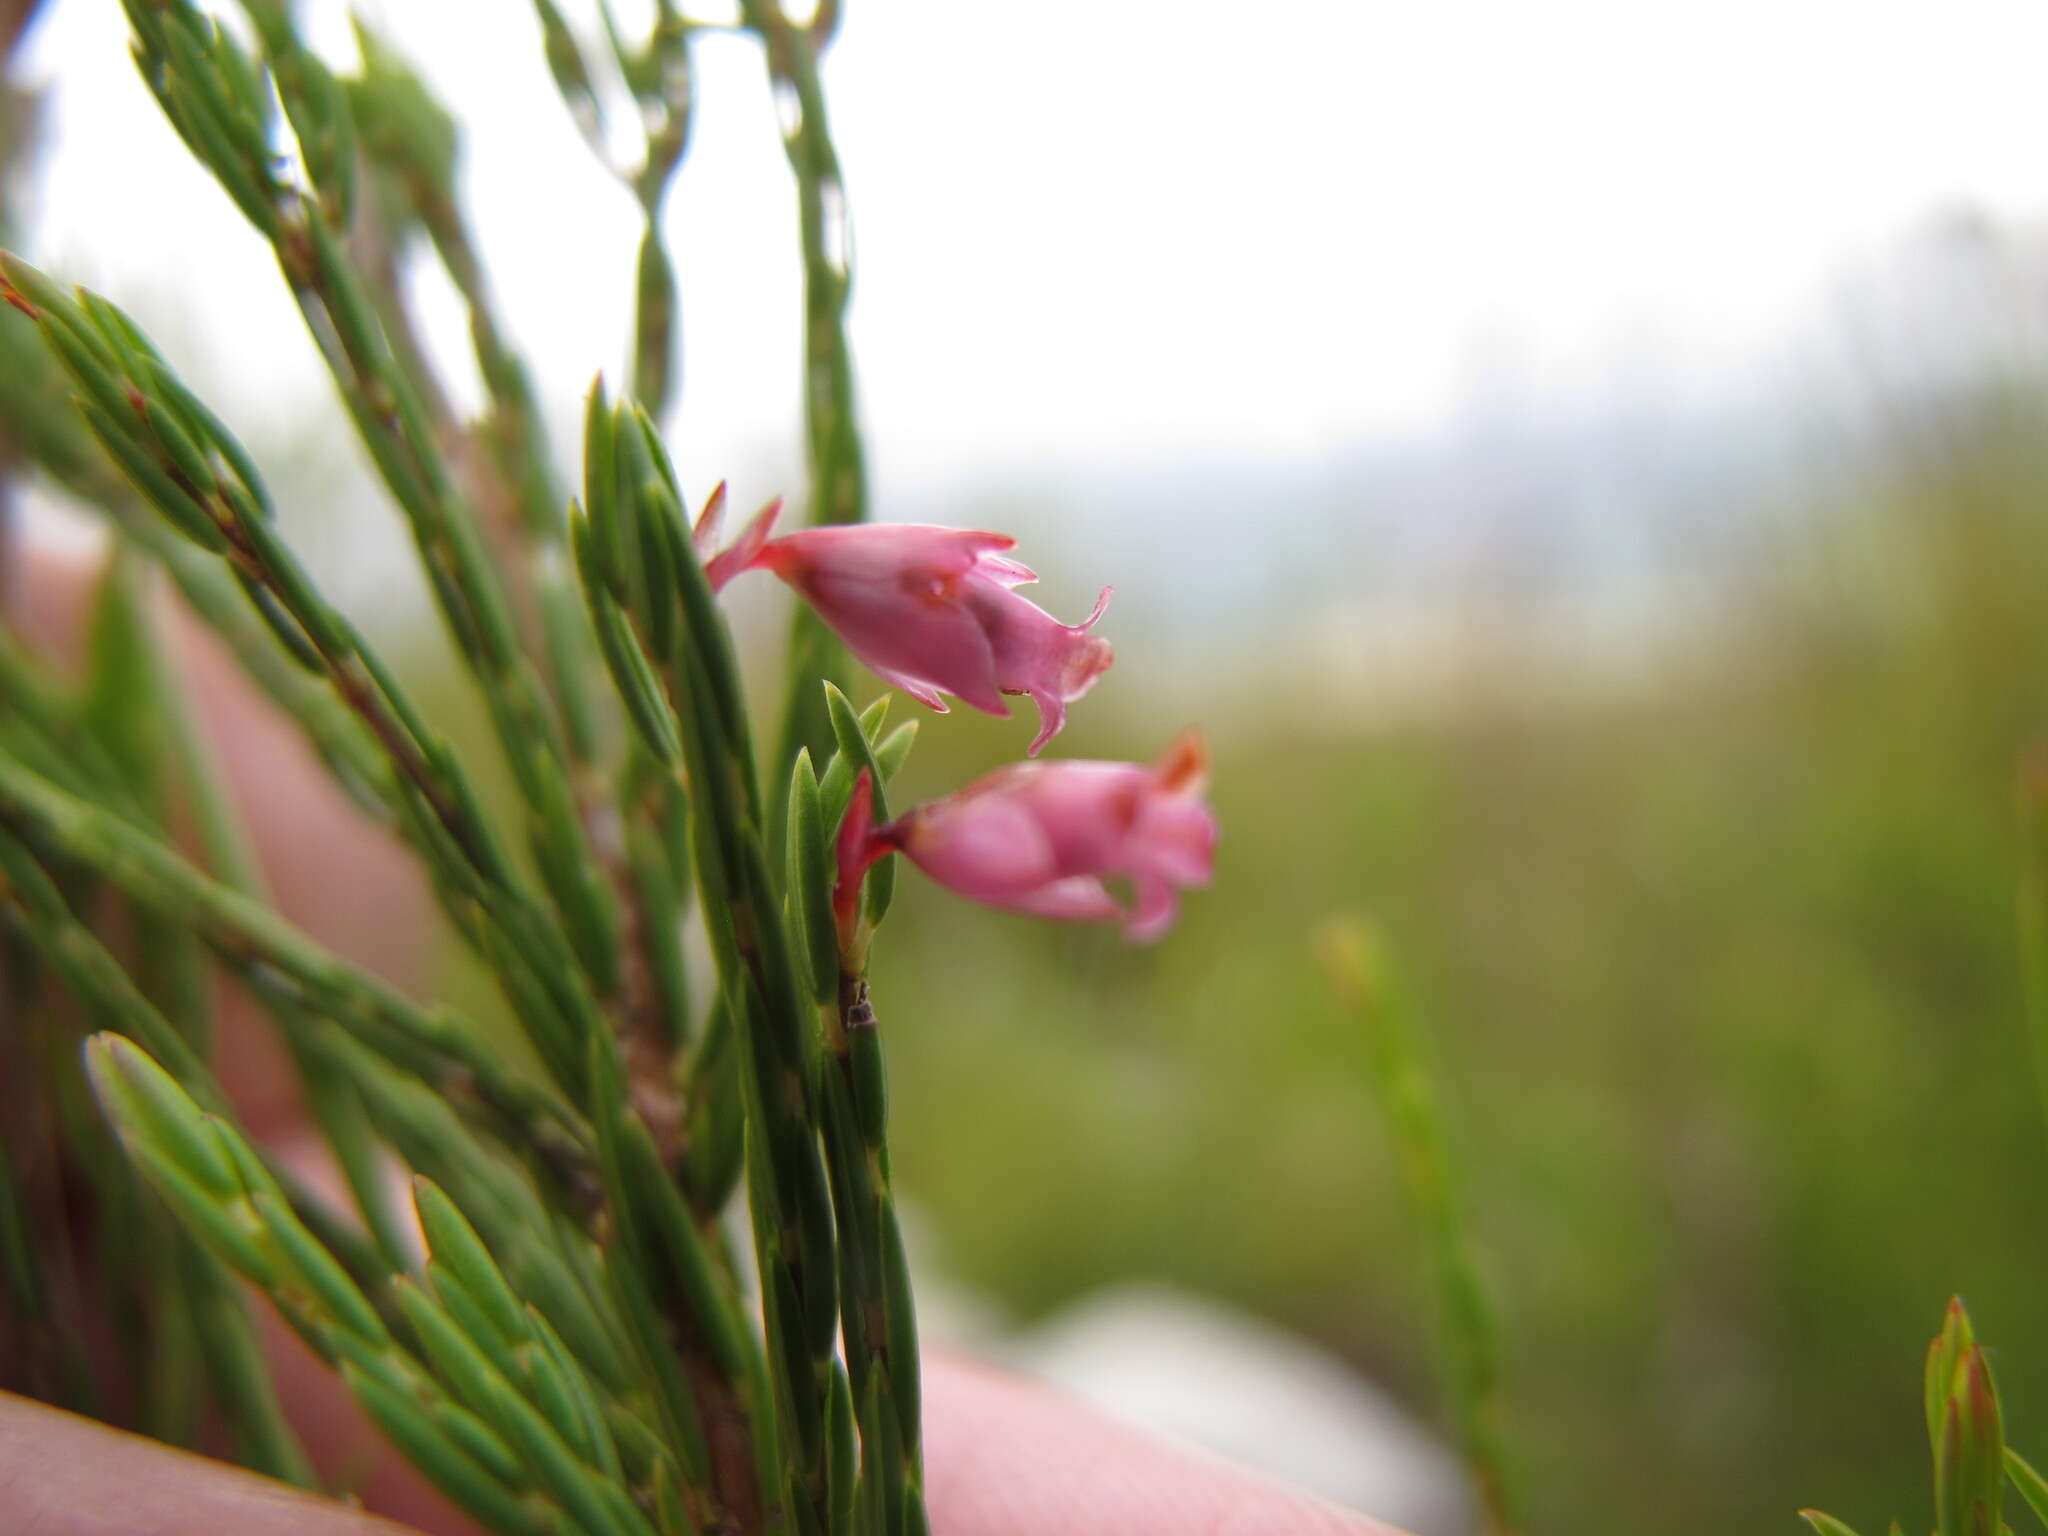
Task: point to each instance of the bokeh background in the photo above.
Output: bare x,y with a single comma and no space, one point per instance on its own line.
1586,468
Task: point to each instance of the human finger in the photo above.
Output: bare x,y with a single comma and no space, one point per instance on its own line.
1007,1457
62,1475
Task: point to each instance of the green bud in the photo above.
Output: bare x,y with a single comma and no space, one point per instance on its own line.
476,1439
82,356
542,1275
650,437
556,1468
849,730
210,429
572,75
317,1270
459,1361
1942,1354
436,1453
691,1267
355,323
31,284
281,624
870,1085
249,1168
593,1435
179,450
708,639
654,308
633,676
639,686
842,1464
810,878
874,717
1969,1462
883,1467
640,486
454,1245
465,1311
717,1121
791,1348
239,1240
905,1373
581,895
657,517
149,1109
320,115
121,341
601,485
894,749
227,79
550,1392
180,510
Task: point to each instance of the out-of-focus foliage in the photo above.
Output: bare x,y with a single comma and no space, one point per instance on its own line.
1720,984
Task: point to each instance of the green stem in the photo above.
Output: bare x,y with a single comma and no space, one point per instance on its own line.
878,1320
1471,1348
837,459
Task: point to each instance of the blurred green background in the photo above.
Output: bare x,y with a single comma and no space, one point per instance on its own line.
1718,976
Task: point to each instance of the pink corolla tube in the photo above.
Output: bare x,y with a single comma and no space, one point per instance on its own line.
1042,837
929,610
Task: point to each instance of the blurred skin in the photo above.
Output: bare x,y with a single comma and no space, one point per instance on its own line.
1004,1457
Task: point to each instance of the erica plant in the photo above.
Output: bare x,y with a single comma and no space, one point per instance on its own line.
553,1319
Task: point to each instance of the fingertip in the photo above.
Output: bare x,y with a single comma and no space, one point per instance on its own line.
62,1475
1008,1457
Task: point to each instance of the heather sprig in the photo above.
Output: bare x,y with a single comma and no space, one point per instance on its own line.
577,1351
579,1347
633,1268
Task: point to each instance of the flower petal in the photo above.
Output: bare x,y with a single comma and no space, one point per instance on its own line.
1158,905
1174,838
1036,654
1005,572
1101,606
1052,719
989,847
745,551
885,553
916,687
895,594
1076,899
704,537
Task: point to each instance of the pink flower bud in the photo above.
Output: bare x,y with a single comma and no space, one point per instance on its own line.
1041,838
930,610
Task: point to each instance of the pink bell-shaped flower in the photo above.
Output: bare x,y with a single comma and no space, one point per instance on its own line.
930,610
1042,837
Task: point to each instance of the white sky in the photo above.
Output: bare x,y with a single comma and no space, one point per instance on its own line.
1134,227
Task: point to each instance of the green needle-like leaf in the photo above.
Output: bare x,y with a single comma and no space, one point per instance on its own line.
2032,1486
1361,978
